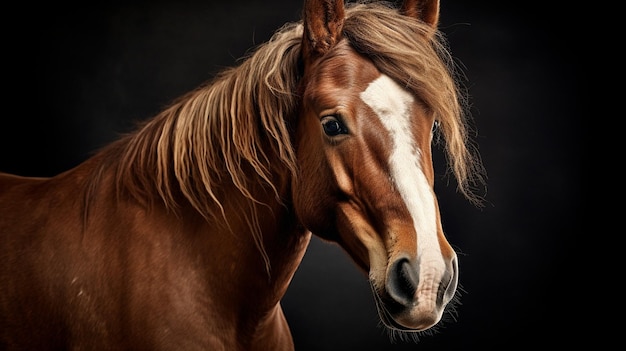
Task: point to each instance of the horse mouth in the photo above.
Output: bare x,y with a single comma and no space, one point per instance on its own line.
386,316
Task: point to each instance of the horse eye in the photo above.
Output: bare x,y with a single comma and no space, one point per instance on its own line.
332,126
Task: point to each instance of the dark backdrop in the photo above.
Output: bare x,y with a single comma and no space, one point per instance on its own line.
76,77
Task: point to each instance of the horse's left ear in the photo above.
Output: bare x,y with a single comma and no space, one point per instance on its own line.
426,11
323,20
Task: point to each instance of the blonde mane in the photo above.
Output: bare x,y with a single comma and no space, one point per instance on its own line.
237,123
238,127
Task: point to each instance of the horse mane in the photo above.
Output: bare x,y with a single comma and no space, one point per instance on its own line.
235,128
238,127
235,123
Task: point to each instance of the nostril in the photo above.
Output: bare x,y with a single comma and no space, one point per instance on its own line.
402,282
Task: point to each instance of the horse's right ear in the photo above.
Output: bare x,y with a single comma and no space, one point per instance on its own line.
323,20
426,11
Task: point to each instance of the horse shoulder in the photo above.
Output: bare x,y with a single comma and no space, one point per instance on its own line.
33,242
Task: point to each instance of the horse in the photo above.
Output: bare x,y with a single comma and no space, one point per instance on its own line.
184,234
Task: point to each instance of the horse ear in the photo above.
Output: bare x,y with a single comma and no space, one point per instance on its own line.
426,11
323,20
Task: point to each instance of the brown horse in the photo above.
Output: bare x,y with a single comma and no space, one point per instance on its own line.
186,233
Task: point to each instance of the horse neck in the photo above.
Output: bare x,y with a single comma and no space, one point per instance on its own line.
265,238
254,239
216,258
245,241
249,279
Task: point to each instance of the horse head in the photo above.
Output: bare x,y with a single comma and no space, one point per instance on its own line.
363,143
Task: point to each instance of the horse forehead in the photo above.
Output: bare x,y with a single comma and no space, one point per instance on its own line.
341,74
392,106
389,101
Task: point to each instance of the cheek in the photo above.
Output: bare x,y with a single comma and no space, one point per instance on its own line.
313,187
316,213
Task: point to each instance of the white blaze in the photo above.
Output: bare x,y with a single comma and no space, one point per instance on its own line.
392,105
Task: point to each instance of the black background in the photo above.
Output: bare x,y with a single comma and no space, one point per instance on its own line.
75,77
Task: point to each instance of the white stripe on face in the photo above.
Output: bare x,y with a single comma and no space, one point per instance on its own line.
392,105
